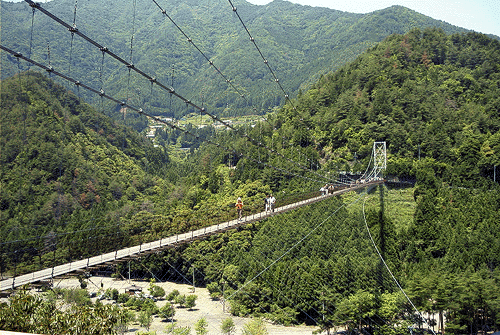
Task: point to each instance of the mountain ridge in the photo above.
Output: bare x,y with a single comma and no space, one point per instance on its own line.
434,98
301,43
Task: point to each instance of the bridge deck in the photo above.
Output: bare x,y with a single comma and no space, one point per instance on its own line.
168,242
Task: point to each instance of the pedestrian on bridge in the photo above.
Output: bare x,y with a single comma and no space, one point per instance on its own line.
266,203
239,207
272,202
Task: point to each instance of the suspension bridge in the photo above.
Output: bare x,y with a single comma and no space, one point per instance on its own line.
370,178
126,254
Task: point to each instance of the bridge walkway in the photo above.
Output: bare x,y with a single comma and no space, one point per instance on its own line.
155,246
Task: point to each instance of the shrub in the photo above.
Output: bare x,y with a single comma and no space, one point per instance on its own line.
173,295
201,327
167,311
141,304
156,291
123,298
77,296
227,327
112,294
145,319
180,300
191,301
255,327
214,290
171,329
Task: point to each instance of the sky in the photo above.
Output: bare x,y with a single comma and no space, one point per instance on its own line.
479,15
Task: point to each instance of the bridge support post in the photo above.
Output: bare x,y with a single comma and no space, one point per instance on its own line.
379,158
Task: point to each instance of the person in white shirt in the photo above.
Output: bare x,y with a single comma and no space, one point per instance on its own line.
272,202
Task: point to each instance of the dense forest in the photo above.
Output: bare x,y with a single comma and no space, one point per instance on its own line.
435,99
300,43
74,182
430,96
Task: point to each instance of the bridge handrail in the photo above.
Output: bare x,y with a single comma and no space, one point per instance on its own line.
49,273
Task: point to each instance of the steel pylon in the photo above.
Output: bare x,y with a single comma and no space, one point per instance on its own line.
379,158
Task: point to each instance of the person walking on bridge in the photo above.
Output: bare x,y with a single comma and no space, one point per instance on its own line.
272,202
239,207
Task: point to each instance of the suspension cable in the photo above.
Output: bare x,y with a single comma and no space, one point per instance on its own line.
72,37
131,54
164,12
266,62
389,270
102,94
33,8
170,90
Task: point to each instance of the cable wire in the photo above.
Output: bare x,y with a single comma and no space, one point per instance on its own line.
102,94
389,270
170,90
164,12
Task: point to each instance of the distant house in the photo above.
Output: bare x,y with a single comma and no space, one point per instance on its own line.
152,131
133,289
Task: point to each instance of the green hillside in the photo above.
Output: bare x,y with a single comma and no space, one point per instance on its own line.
301,43
75,183
65,167
434,99
430,96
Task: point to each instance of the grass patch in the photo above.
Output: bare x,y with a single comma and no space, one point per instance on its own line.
399,205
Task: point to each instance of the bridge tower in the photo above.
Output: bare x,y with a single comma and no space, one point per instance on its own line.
379,158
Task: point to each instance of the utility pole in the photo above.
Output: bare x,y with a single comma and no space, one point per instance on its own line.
223,297
193,281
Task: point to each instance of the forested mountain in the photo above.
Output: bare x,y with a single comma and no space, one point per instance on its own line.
75,183
68,168
64,165
301,43
429,95
434,98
